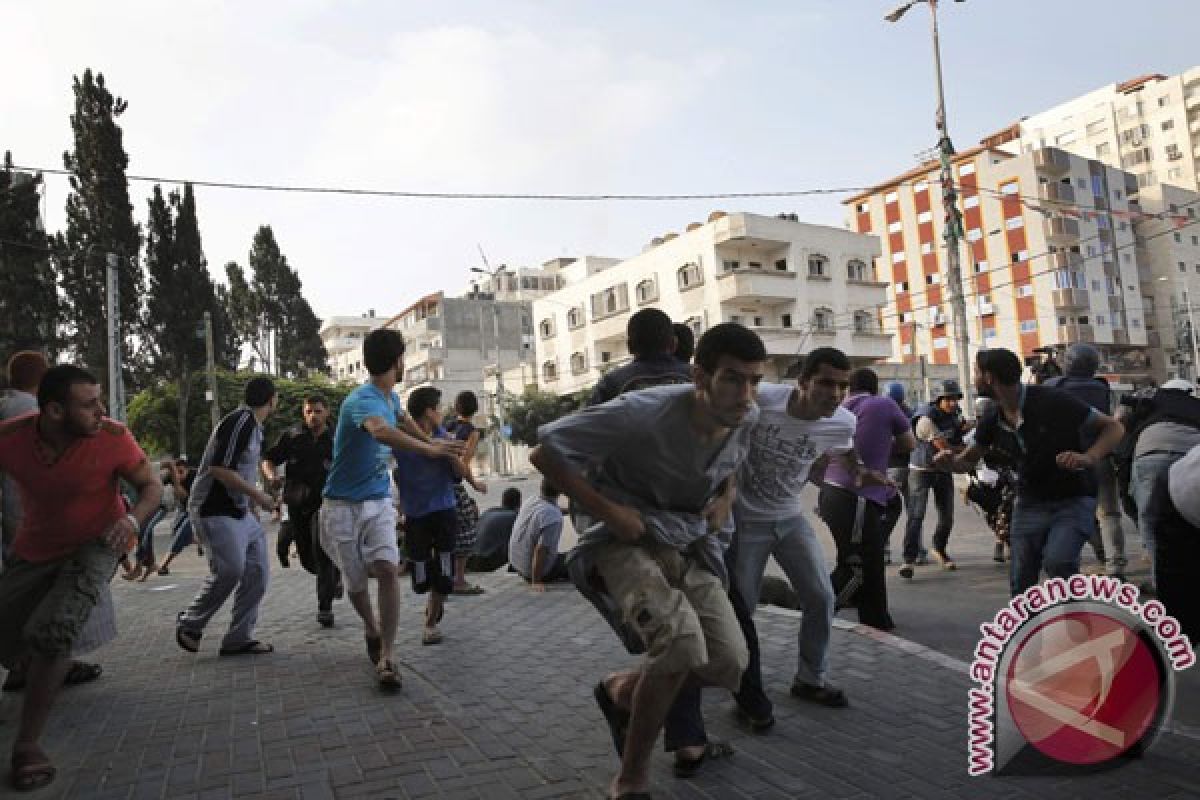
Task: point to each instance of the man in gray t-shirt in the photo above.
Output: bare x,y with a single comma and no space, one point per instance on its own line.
533,549
655,469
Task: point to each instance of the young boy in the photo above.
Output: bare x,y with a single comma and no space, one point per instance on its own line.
427,492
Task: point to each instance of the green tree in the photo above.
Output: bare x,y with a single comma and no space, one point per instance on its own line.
286,332
99,223
533,408
241,308
29,305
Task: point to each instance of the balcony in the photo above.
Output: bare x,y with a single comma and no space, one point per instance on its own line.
986,309
754,285
1051,161
1058,192
1070,334
1064,259
1115,303
610,327
1062,231
1120,337
1100,202
1131,186
1070,298
1153,339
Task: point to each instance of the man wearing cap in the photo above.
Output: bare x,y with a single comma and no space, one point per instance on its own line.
1082,361
939,427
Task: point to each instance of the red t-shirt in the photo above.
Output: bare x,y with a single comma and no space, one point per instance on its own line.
73,500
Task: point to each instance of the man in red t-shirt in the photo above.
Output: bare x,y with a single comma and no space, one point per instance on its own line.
67,460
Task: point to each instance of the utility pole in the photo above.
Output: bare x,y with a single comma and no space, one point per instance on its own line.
500,454
1191,322
953,230
211,367
116,386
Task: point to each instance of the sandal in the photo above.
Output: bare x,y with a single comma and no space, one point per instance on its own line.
250,648
389,677
616,717
31,770
687,767
374,649
828,696
431,636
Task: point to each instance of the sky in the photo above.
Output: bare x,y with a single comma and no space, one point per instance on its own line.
669,97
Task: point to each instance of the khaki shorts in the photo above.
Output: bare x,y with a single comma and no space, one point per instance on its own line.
679,608
46,605
356,535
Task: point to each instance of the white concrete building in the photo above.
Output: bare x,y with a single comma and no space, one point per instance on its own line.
1169,248
1049,257
799,286
342,337
1149,126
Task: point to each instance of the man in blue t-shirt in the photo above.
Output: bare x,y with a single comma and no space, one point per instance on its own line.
358,521
426,487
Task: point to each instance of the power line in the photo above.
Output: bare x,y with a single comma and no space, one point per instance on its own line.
423,195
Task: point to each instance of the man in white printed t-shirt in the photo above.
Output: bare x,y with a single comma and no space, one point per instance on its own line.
798,426
533,548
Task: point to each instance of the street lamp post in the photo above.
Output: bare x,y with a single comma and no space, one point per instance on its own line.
953,218
501,463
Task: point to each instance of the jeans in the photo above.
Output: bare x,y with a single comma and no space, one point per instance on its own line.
920,483
1048,535
794,544
1144,473
1112,534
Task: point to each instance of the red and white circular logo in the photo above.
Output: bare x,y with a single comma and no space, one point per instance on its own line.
1084,687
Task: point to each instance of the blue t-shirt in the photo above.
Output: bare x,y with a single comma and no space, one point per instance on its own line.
426,484
360,462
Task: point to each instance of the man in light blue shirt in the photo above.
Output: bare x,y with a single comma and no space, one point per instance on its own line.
358,521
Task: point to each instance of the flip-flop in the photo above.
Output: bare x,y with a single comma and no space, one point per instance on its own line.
828,696
616,717
250,648
374,649
468,590
30,771
687,767
389,677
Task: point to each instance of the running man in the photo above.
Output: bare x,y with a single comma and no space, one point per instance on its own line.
358,520
654,469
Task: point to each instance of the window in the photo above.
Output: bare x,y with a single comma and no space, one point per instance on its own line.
1083,320
863,207
926,248
1029,326
647,291
1164,101
1009,188
981,266
966,169
971,202
781,264
1096,286
578,363
941,343
933,280
864,322
1064,139
546,327
895,227
1173,152
785,320
758,322
735,318
1097,127
1135,323
575,318
1196,240
890,197
1081,183
1178,238
925,216
1182,266
549,371
823,320
696,324
907,349
901,287
920,186
974,235
730,266
1168,124
754,265
612,300
856,270
1025,291
1147,179
1101,320
689,276
1117,194
897,257
989,334
818,266
1012,223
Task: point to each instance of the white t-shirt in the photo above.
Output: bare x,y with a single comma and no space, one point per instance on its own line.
1183,484
782,450
539,523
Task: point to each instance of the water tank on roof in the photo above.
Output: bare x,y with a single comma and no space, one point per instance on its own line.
669,236
656,241
693,225
716,215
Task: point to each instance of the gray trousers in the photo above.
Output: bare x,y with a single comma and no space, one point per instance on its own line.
237,559
1108,515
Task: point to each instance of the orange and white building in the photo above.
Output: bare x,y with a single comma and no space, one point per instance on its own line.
1049,256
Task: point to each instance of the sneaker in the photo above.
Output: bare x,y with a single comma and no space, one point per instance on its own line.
828,695
325,618
942,558
907,570
923,558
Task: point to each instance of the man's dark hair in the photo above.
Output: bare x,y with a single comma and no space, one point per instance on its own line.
650,333
728,339
316,400
511,498
466,404
1003,365
422,399
26,368
259,391
549,490
864,379
55,386
381,348
685,342
810,364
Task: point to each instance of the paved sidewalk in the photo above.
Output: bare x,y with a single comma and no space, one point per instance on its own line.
502,709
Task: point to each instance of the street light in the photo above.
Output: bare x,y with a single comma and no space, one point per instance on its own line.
953,226
501,459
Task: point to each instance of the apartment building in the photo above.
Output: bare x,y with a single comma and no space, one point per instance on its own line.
1169,245
1148,126
800,286
1049,257
342,337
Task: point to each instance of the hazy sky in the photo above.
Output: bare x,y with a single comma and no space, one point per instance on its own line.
537,97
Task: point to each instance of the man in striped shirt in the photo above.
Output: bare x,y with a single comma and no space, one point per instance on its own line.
222,509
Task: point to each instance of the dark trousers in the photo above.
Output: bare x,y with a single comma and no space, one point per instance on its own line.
921,482
1176,556
858,562
685,720
303,528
